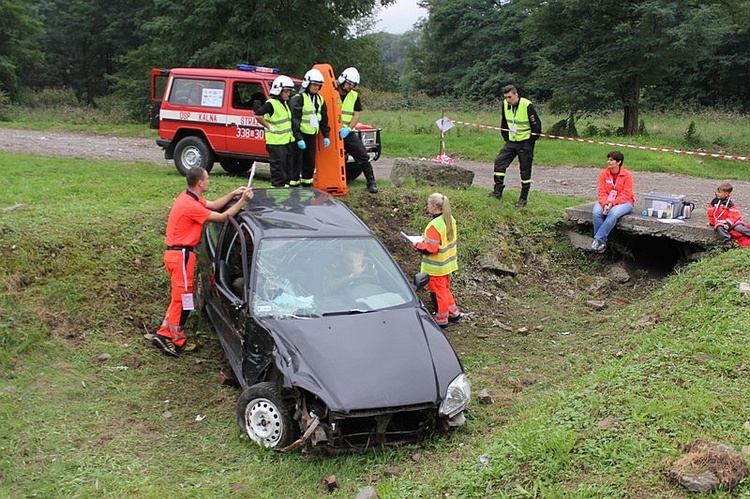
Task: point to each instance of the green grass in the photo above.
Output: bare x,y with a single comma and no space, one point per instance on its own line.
82,275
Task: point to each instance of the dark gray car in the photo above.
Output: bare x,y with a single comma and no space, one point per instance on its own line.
331,345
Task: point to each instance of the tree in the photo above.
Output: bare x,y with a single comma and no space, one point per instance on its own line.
83,40
20,29
471,48
598,55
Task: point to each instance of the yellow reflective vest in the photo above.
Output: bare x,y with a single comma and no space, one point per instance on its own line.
281,121
445,260
518,118
308,111
347,107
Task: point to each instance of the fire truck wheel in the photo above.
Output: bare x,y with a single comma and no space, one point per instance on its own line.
236,166
353,170
193,151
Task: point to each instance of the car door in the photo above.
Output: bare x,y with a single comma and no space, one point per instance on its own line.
245,136
231,273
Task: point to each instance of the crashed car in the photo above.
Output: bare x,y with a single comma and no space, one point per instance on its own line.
328,340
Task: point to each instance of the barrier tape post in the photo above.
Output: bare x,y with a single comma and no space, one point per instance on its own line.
615,144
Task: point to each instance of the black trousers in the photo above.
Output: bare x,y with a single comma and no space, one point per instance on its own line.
524,150
304,160
280,160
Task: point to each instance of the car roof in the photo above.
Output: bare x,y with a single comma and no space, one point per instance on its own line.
227,73
300,212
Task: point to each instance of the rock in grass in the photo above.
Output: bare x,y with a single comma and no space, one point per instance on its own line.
367,493
707,466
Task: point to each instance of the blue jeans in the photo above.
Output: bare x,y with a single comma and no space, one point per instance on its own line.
603,224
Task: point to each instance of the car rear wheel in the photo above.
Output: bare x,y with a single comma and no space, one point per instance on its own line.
236,166
265,416
191,152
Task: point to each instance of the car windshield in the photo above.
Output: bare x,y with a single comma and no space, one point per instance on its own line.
319,277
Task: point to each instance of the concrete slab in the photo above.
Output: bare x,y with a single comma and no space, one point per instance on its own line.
693,230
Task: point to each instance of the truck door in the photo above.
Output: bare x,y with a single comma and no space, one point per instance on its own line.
245,136
158,84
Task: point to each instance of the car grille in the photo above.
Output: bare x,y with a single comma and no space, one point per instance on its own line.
363,430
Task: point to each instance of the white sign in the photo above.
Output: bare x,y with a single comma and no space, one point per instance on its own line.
212,97
444,124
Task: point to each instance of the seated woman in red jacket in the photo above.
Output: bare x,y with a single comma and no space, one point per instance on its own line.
615,199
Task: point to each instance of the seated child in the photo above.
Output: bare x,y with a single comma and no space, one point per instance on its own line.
726,219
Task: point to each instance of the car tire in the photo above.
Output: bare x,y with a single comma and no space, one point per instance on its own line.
236,166
265,416
193,151
353,170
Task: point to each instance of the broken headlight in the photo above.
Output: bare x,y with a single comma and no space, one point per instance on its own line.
456,397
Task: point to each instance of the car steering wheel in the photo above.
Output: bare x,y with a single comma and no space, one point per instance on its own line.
360,279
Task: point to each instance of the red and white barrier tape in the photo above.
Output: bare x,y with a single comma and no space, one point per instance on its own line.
616,144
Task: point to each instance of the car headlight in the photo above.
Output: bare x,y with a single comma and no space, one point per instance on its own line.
457,396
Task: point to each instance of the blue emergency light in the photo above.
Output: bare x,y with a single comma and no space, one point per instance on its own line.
257,69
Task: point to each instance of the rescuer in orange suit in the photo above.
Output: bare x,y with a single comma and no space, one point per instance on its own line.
184,226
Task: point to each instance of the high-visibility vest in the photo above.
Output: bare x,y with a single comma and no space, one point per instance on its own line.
308,111
347,107
281,121
519,120
445,260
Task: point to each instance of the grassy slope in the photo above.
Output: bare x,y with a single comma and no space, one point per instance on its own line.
82,275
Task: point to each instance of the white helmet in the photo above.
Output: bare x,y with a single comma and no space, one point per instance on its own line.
281,83
312,76
349,74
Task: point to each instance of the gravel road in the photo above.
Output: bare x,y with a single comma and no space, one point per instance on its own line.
557,180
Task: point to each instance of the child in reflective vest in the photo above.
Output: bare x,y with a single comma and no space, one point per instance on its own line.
439,260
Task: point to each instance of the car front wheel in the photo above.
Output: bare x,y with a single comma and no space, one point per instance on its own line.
191,152
265,416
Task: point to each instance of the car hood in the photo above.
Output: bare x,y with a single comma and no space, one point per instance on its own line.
374,360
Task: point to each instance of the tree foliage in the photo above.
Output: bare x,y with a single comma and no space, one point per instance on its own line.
20,29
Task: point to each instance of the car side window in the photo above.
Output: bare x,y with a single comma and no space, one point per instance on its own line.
197,92
237,254
247,95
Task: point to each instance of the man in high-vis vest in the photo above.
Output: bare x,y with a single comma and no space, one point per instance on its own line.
184,227
309,116
350,109
521,127
276,118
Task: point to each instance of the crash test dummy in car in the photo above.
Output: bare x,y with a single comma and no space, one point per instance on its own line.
350,109
184,226
276,117
439,258
309,118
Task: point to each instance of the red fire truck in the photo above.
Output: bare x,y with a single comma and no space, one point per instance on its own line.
205,115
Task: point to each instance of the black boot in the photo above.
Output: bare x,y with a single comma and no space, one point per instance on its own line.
497,192
524,196
372,187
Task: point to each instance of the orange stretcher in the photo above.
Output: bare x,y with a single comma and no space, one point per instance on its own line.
330,162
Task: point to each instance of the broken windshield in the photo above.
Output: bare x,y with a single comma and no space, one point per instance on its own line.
333,276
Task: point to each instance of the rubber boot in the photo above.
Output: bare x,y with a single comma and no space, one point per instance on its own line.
497,192
372,187
524,196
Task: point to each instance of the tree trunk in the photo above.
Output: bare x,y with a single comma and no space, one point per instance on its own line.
631,93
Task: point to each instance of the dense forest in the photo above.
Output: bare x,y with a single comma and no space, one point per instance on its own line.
577,56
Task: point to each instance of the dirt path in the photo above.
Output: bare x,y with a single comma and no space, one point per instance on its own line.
557,180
